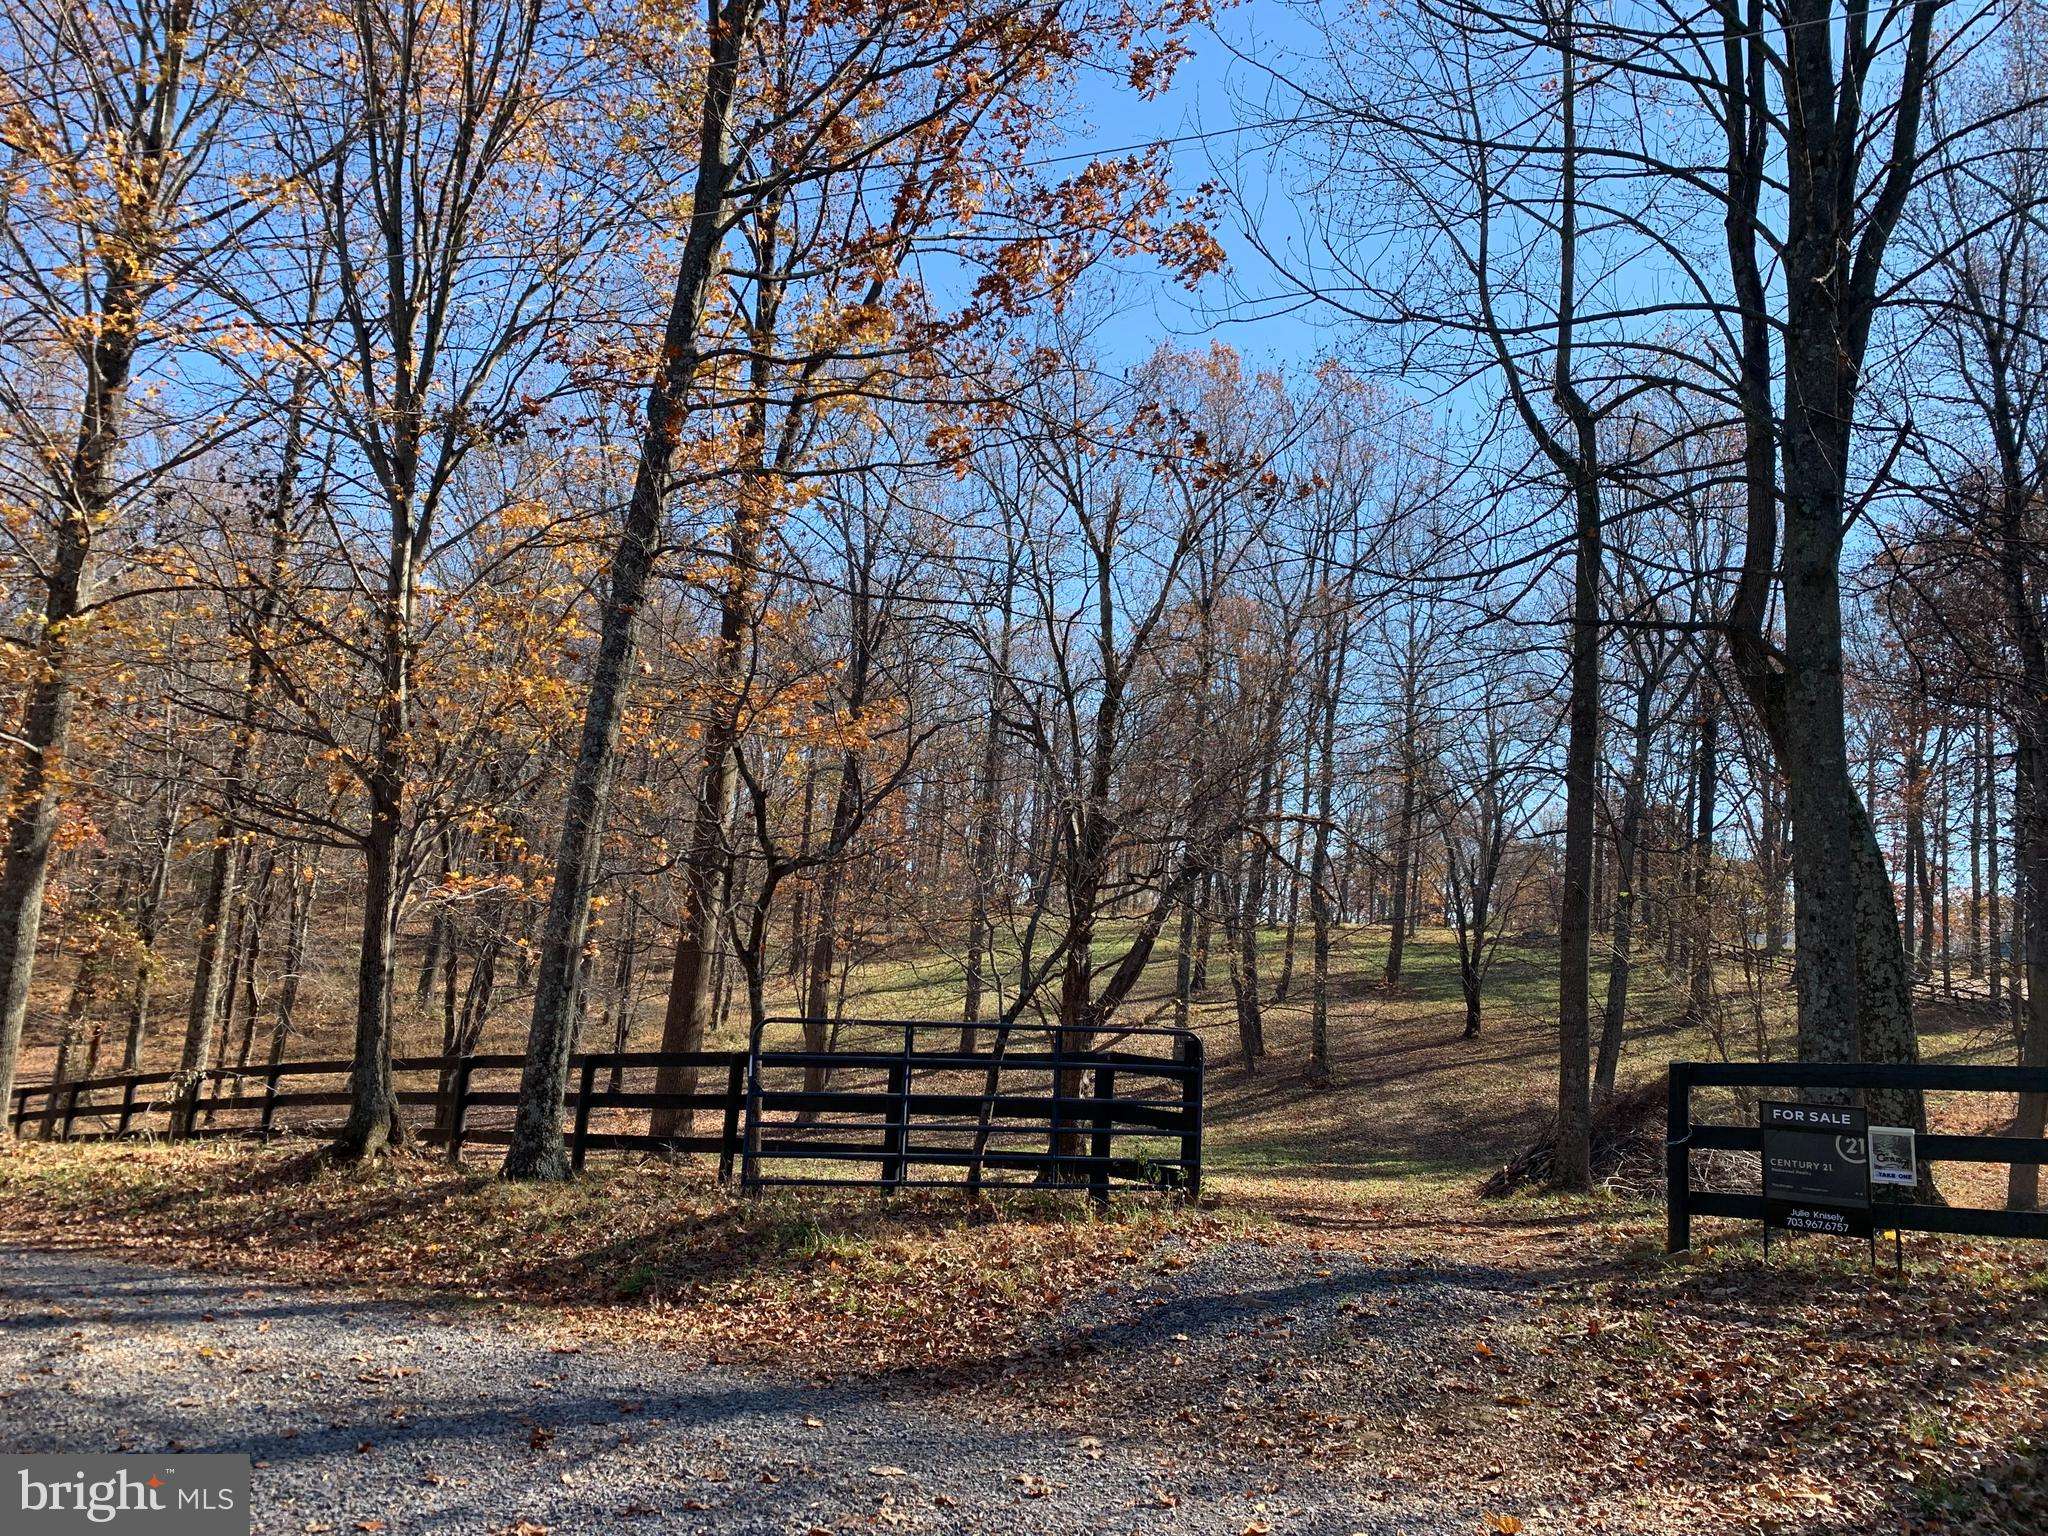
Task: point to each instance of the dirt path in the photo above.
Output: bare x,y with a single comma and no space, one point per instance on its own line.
430,1421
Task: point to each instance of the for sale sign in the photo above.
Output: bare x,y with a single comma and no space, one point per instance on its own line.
1816,1168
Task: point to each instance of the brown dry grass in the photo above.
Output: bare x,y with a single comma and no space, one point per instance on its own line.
825,1284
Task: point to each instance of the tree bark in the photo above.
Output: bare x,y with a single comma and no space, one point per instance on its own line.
1324,761
987,808
825,939
1700,1000
374,1123
1404,823
299,918
1994,937
1628,874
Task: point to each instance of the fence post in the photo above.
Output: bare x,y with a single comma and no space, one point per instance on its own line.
896,1135
580,1143
1098,1170
270,1076
70,1110
1189,1052
458,1112
1055,1172
750,1147
127,1120
729,1127
185,1107
1678,1160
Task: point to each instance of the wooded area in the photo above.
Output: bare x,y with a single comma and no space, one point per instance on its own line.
598,524
1027,766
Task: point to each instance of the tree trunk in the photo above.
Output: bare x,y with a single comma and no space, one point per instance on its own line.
1324,763
300,924
216,909
1293,877
692,995
1700,1001
537,1147
619,1006
438,942
982,874
1404,826
1944,877
1913,863
2029,830
85,990
1994,937
256,917
1854,996
1628,874
1251,1020
1774,868
374,1123
1976,908
537,1150
1571,1164
2030,855
148,918
799,905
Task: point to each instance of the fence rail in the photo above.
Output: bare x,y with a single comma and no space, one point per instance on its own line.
1125,1113
921,1106
1683,1137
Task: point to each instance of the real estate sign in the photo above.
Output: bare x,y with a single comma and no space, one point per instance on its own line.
1894,1157
1816,1168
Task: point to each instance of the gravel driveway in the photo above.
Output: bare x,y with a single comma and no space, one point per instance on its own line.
362,1411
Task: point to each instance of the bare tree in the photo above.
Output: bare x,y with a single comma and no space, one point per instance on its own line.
117,117
1983,417
1484,796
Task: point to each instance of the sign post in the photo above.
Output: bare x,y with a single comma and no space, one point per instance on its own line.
1895,1160
1816,1170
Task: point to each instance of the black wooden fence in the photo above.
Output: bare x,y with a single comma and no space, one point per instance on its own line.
472,1099
1683,1137
807,1114
919,1103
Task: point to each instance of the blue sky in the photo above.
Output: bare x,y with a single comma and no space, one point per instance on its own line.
1211,92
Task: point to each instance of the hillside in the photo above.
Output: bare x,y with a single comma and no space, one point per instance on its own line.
1415,1108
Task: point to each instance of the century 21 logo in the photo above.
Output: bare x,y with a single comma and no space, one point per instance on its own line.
120,1494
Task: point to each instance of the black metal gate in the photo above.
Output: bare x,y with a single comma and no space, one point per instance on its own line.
904,1103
